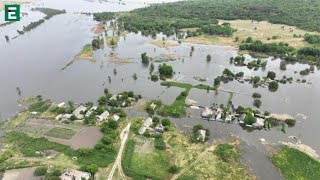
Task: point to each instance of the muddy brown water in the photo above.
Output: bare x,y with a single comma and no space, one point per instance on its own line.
33,62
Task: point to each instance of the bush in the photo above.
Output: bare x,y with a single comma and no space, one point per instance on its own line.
173,169
256,95
154,77
145,58
257,103
290,122
165,122
41,171
273,86
92,169
271,75
165,70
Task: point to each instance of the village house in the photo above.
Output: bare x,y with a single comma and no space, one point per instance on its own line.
207,113
115,117
78,112
159,128
62,105
103,116
259,123
146,124
75,175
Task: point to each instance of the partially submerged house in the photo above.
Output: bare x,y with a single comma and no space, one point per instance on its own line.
103,116
159,128
207,113
78,112
259,123
75,175
146,124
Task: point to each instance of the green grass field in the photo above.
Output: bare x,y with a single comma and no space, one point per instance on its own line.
145,165
62,133
28,146
294,164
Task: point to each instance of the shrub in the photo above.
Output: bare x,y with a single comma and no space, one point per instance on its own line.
290,122
154,77
173,169
92,169
165,70
257,103
41,171
273,86
256,95
165,122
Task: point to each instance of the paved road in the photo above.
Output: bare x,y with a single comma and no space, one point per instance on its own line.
117,164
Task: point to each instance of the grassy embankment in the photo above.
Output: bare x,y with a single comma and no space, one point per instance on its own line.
86,53
294,164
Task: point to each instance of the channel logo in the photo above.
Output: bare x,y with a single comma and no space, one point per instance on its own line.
12,12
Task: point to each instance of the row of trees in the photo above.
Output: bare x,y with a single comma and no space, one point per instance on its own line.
258,46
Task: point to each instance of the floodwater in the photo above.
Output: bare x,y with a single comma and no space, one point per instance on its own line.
34,61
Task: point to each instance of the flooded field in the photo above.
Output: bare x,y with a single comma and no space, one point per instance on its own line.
34,62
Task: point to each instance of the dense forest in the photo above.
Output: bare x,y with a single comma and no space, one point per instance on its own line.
169,17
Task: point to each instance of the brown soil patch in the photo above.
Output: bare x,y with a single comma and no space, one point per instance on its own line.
20,174
87,137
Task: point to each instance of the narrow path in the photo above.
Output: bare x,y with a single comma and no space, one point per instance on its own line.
192,164
117,164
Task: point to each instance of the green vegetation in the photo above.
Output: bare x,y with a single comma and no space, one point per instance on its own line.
290,122
172,16
165,70
49,12
177,108
91,168
295,164
144,58
154,77
97,43
273,48
212,29
257,103
256,95
271,75
62,133
5,154
41,171
312,39
227,152
145,165
40,106
103,16
29,146
273,86
208,58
